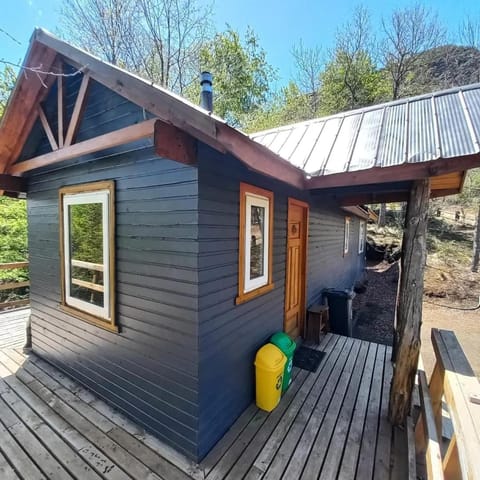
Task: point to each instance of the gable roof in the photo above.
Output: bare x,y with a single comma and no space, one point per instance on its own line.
45,52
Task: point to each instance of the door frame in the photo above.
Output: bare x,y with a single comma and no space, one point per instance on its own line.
303,300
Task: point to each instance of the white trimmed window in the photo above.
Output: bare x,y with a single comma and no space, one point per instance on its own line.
255,242
361,237
346,235
87,240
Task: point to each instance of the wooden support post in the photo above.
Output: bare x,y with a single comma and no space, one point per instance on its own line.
409,302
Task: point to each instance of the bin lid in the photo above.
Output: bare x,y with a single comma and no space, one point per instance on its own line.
269,357
283,342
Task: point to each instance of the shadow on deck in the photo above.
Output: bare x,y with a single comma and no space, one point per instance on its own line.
330,424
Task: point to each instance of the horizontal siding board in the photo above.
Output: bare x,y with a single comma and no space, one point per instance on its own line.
230,334
150,369
132,410
177,371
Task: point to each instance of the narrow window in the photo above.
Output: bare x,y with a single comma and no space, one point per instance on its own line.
255,242
87,251
346,235
361,237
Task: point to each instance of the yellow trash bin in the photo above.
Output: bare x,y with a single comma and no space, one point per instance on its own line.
269,366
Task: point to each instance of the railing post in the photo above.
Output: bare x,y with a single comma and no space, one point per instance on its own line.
28,340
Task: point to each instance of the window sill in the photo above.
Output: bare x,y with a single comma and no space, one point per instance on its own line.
86,317
245,297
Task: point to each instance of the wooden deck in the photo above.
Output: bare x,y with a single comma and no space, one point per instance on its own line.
330,424
12,328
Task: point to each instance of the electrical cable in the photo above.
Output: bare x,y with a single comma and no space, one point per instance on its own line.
463,309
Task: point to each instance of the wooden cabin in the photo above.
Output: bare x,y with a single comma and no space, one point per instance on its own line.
165,246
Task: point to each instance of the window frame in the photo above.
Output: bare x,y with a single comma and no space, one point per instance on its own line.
362,229
346,236
247,288
98,192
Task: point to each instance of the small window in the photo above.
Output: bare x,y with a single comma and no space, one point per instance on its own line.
346,238
361,237
87,250
255,242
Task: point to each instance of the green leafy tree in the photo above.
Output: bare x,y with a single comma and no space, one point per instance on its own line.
7,81
241,75
289,105
351,82
350,78
13,213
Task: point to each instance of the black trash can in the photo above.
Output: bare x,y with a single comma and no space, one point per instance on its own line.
340,308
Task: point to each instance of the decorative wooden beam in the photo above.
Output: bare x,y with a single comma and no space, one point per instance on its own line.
21,114
46,127
77,110
409,303
175,144
10,183
398,173
108,140
61,109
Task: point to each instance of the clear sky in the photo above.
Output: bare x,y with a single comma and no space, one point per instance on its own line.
278,23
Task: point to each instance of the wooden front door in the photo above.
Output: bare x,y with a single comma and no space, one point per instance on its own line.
296,282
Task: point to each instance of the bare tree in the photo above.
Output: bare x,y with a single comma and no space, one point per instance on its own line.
158,39
408,32
354,45
308,65
104,27
174,32
469,32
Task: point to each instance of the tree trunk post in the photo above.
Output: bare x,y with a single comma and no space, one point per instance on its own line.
409,302
382,215
476,244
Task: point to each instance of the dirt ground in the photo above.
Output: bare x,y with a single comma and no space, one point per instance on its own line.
374,310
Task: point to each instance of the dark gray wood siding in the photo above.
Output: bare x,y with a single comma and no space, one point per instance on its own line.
230,335
149,370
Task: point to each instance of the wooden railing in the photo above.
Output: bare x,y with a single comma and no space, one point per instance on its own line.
14,285
454,383
93,285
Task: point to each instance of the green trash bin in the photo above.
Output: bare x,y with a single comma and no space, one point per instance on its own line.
287,346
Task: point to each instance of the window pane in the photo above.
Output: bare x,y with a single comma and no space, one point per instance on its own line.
86,253
257,244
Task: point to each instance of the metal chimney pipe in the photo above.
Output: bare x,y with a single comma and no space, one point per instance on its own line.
206,94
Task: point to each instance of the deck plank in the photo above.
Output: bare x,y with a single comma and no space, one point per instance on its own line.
87,450
352,445
131,444
277,418
46,462
52,441
6,471
330,441
278,436
366,460
384,440
308,423
226,463
168,463
115,452
330,424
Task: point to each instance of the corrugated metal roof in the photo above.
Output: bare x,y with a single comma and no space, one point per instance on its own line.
443,124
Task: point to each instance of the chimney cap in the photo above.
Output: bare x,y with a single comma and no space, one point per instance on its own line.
206,77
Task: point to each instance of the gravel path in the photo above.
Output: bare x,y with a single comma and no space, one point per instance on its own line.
374,310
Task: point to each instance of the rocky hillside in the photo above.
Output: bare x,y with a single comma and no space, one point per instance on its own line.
445,67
